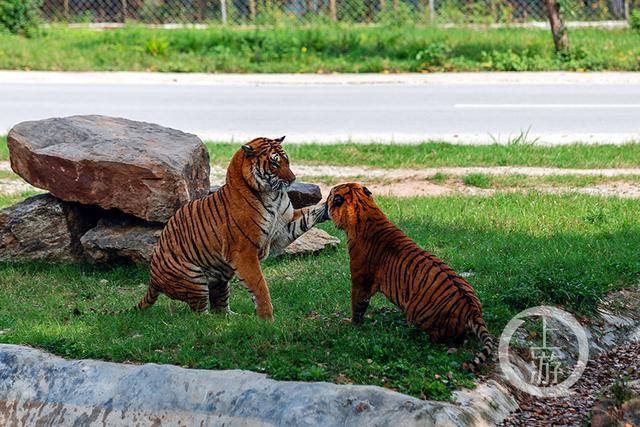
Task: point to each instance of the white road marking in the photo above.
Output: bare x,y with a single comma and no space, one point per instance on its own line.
545,106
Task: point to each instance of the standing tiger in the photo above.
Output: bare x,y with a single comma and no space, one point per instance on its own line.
228,232
383,259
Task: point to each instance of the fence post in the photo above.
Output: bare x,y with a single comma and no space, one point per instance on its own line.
626,10
332,10
431,10
252,10
124,10
223,10
66,9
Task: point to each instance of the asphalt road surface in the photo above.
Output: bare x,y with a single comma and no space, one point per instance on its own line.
469,113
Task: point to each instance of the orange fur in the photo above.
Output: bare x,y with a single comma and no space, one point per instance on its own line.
383,259
209,240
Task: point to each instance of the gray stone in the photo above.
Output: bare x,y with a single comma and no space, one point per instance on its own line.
44,228
37,388
312,241
302,194
121,240
139,168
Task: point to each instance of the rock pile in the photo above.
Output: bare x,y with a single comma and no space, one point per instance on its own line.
113,184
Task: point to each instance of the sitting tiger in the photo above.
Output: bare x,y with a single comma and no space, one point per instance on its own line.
383,259
211,239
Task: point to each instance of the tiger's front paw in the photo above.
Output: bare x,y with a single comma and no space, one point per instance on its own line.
325,216
265,313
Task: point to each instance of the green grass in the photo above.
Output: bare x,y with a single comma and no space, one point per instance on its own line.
523,249
439,154
479,180
4,150
317,48
482,180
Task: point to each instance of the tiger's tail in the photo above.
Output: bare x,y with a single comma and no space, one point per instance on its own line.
149,298
477,325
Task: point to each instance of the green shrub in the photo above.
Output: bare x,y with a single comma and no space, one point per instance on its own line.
19,16
434,55
634,20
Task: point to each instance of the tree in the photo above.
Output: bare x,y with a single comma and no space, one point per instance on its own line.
558,28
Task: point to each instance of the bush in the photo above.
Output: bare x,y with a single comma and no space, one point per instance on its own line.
634,20
19,16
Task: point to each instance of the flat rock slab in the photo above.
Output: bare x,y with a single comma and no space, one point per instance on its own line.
312,241
44,228
139,168
121,240
36,387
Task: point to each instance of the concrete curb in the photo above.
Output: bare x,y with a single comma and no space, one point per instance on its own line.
201,79
36,387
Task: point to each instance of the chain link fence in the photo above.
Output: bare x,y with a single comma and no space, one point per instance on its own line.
257,12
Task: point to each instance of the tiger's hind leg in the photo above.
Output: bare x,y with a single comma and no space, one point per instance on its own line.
219,297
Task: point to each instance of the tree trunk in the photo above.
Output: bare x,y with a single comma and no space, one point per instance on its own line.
558,29
333,10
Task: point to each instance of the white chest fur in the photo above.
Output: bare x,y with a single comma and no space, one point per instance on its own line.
278,213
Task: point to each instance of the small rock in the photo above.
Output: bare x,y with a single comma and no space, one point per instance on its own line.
139,168
302,194
313,240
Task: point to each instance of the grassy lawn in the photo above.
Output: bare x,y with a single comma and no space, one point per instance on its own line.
523,250
317,48
438,154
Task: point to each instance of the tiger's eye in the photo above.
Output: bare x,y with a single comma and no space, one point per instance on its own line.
338,200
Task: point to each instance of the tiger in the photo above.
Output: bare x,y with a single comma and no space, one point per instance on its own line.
384,259
209,240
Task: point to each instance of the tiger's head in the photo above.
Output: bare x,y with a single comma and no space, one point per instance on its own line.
348,204
265,165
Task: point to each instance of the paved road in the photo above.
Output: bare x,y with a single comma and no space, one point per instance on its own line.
363,112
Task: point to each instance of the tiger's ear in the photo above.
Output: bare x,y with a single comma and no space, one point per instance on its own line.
280,139
248,151
366,191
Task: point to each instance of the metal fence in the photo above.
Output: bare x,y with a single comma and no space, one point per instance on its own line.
256,12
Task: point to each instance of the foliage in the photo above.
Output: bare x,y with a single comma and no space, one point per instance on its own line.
318,48
19,16
634,20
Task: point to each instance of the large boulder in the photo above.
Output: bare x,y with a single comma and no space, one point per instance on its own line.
44,228
121,240
139,168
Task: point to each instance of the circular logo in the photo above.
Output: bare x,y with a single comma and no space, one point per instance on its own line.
546,364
